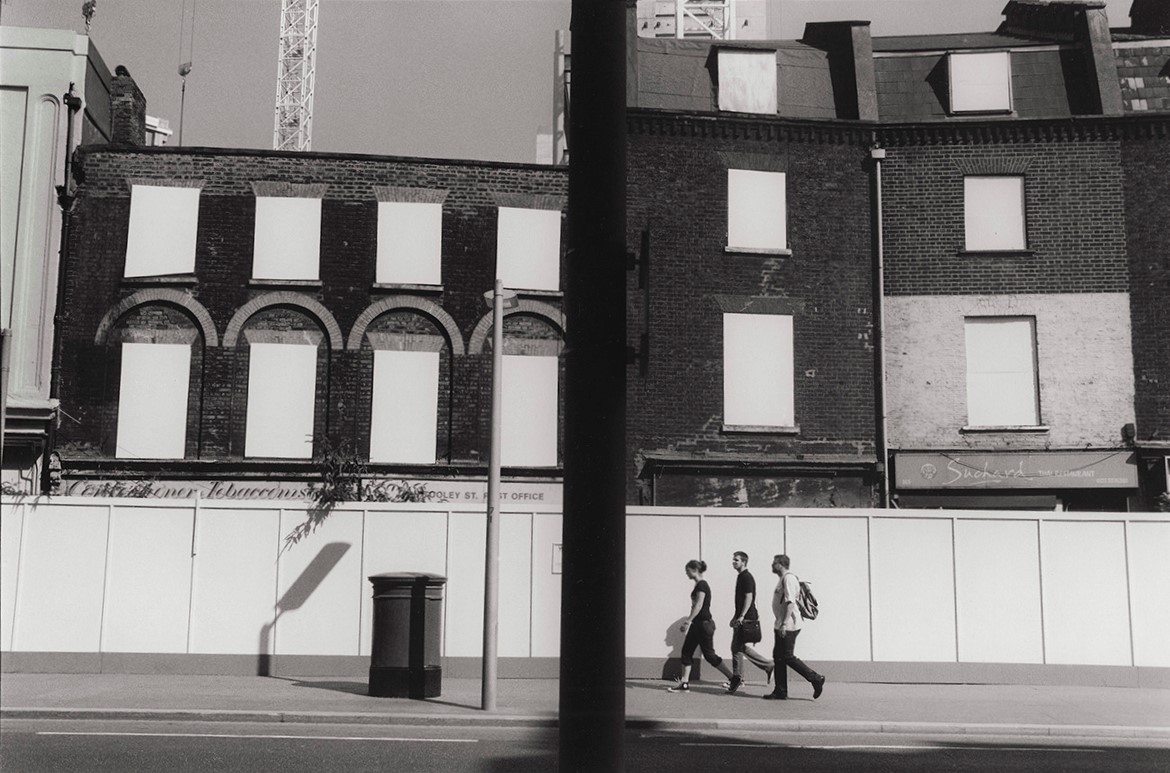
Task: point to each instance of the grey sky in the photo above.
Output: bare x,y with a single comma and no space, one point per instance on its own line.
442,78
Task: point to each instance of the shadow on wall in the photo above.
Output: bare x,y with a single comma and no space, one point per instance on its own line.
672,668
296,596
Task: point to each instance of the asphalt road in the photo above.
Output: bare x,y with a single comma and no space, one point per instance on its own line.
38,746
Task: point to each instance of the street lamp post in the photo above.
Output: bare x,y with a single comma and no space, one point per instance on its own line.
497,299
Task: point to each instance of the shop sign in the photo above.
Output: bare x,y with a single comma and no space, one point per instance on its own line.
453,491
1039,470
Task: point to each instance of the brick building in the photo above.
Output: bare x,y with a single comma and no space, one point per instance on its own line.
235,314
750,196
1012,334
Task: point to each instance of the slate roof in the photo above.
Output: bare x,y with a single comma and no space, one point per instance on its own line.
1143,66
952,42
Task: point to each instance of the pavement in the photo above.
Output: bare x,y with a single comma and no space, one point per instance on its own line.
918,709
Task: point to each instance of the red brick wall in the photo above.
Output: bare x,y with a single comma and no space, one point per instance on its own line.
223,268
678,189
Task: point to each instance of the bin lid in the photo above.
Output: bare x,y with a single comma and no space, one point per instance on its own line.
409,577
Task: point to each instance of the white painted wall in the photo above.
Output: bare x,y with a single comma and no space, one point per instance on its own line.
207,577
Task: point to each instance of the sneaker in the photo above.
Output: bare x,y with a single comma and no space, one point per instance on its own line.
734,684
680,687
776,696
818,687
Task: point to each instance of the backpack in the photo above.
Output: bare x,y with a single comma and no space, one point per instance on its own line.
806,602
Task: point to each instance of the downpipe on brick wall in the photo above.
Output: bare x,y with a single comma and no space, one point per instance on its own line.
878,154
65,201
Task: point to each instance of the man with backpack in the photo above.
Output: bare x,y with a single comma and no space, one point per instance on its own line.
788,622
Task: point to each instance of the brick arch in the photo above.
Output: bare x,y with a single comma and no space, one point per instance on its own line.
231,335
533,308
394,302
158,295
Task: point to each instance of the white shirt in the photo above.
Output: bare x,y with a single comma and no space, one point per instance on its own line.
786,591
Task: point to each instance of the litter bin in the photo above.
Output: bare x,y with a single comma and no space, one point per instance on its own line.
408,614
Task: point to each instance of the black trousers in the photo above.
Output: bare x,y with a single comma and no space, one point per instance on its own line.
701,634
784,653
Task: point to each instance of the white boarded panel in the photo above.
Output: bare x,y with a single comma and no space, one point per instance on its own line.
657,589
747,81
282,384
980,82
997,571
234,589
465,560
757,370
62,575
832,555
756,210
1001,371
529,413
1149,584
11,526
148,582
13,114
515,603
400,542
410,236
913,590
993,213
1086,617
405,406
161,237
528,249
546,586
288,238
760,538
320,586
152,401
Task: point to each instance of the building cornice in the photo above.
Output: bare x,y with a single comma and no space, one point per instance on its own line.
674,123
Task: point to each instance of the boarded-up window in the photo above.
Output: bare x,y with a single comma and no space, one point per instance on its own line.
405,406
152,401
1001,372
993,212
758,371
282,384
288,238
161,239
528,249
747,81
981,83
756,210
529,412
410,236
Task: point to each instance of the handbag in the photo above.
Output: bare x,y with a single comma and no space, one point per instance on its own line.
749,632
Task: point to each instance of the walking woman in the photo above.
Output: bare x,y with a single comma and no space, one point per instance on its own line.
699,628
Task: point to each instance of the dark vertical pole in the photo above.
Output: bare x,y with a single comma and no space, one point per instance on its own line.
592,697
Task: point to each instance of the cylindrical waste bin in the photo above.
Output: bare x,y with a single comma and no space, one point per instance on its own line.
408,616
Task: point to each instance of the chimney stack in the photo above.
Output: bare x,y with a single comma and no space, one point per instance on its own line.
127,110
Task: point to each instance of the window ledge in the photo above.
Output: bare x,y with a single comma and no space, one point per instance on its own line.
254,282
756,251
538,293
761,428
1037,429
166,279
1020,253
1001,113
408,286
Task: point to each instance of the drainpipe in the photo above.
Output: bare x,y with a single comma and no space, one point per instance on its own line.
878,154
65,201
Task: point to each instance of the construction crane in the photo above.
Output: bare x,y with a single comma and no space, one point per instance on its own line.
295,72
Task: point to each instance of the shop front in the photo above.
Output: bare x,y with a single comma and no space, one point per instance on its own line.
1016,480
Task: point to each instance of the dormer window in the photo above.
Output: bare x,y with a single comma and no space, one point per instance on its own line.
980,83
747,81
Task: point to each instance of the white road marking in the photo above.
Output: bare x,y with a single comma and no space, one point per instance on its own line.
283,737
901,747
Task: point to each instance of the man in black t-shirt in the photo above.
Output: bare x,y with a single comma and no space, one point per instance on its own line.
745,609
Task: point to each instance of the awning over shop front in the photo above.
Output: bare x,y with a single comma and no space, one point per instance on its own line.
951,471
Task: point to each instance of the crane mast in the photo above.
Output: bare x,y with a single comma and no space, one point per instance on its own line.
295,72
